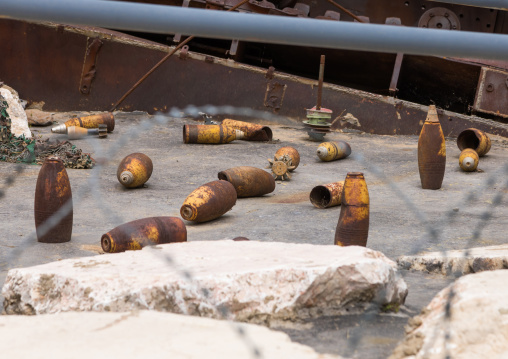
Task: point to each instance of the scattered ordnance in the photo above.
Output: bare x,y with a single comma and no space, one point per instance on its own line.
331,151
249,181
52,192
213,134
75,132
468,160
286,160
327,195
239,239
475,139
353,226
92,121
210,201
144,232
252,131
431,152
134,170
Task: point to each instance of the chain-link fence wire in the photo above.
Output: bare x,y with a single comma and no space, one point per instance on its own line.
434,230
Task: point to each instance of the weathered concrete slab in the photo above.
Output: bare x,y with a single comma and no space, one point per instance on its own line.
477,328
19,122
459,261
255,281
142,334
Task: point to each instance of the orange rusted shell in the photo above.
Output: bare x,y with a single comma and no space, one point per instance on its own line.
208,202
249,181
291,152
52,193
134,170
93,121
468,160
144,232
210,134
431,152
327,195
475,139
252,131
353,226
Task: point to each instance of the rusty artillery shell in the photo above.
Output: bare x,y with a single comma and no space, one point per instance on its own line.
286,160
291,153
210,134
52,192
431,152
249,181
331,151
468,160
210,201
475,139
327,195
92,121
144,232
252,131
353,226
134,170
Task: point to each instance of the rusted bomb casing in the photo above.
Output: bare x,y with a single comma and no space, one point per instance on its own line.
331,151
286,160
208,202
353,225
291,153
210,134
468,160
52,192
431,152
475,139
249,181
253,132
92,121
144,232
134,170
327,195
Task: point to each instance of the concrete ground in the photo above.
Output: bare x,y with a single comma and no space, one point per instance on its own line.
101,203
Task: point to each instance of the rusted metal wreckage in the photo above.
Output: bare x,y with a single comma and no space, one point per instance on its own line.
87,68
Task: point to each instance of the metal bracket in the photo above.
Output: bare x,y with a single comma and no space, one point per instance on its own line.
184,53
398,60
178,37
89,65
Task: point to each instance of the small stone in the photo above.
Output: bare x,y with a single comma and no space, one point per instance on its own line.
456,209
39,118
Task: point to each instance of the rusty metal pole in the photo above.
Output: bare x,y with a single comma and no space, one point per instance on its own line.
343,9
164,59
320,84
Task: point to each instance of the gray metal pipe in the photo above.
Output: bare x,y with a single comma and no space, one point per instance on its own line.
490,4
261,28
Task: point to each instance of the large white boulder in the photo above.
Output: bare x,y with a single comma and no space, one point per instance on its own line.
477,327
19,121
142,334
249,281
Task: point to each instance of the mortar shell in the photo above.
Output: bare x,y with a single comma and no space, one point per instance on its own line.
353,225
52,192
134,170
144,232
92,121
327,195
75,132
331,151
292,153
468,160
252,131
210,134
208,202
431,152
249,181
475,139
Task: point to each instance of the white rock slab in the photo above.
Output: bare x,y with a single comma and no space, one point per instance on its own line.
142,334
19,121
253,281
478,327
472,260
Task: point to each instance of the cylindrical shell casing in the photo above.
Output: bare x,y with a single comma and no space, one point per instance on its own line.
353,226
75,132
249,181
144,232
252,131
52,191
431,152
475,139
291,152
134,170
331,151
212,134
468,160
210,201
327,195
93,121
